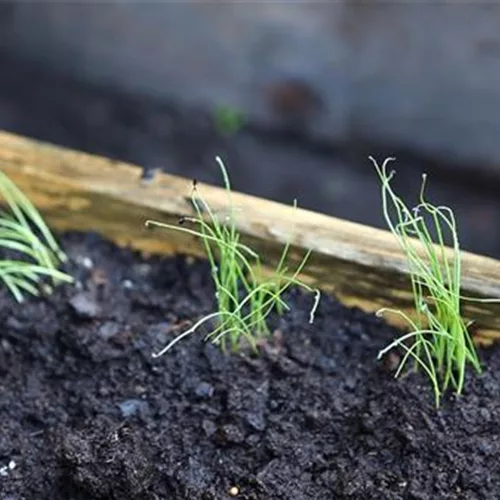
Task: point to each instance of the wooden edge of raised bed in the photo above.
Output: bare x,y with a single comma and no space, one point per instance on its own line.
363,266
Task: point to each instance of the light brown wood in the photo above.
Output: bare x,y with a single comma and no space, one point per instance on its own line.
363,266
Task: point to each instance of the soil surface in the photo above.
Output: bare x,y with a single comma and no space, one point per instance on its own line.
87,413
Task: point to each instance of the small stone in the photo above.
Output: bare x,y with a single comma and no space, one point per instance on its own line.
4,471
84,306
350,382
140,390
485,447
256,420
231,434
142,269
485,414
103,391
208,427
127,284
204,390
253,440
132,407
99,277
109,329
315,419
159,331
391,361
14,324
84,261
215,357
326,364
287,366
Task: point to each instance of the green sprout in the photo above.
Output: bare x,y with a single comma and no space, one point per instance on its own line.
228,120
245,298
23,232
439,342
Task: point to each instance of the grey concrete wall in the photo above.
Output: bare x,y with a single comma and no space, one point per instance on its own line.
424,75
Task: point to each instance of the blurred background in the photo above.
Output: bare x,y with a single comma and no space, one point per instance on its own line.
293,95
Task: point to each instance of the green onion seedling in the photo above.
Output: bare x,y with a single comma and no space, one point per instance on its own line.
439,342
23,231
244,297
228,120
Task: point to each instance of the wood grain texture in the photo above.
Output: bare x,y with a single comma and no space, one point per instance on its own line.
363,266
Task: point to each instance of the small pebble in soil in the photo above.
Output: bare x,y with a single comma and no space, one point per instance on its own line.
208,427
325,364
84,261
314,419
14,324
84,306
204,390
140,390
127,284
350,382
109,329
287,366
252,440
142,269
234,491
159,331
230,434
485,414
4,471
132,407
215,357
391,361
103,392
256,420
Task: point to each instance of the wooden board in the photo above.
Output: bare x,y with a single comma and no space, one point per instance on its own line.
363,266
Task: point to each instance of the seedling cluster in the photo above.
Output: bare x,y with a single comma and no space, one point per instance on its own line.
24,233
439,342
245,297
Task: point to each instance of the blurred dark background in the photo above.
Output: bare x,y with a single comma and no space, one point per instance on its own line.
293,95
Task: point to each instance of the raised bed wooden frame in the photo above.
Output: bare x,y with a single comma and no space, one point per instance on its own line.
363,266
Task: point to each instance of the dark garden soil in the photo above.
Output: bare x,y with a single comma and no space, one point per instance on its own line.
87,413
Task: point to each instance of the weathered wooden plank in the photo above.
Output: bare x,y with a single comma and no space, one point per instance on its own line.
363,266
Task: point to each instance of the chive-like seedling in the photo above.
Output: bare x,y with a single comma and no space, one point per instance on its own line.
244,297
24,233
228,120
439,342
